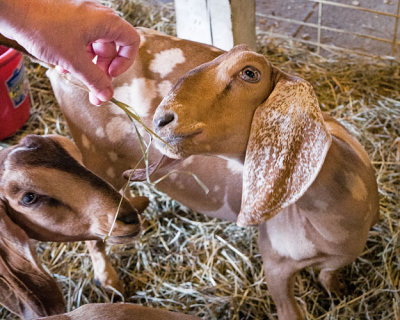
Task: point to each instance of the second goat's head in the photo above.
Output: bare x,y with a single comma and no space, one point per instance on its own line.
240,106
47,194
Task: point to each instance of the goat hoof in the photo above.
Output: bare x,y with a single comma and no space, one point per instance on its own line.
110,285
97,282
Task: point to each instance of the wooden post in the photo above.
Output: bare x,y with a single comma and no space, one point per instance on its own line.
222,23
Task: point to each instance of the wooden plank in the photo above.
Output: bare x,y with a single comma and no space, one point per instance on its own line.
244,22
222,23
192,20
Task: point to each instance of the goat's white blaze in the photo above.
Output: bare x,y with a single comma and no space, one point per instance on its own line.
118,128
165,61
287,234
139,93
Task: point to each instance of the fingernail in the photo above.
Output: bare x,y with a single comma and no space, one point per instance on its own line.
61,70
105,94
94,100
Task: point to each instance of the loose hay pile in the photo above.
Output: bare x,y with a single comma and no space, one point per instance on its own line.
186,262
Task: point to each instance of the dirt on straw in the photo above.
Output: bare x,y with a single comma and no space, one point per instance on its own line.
187,262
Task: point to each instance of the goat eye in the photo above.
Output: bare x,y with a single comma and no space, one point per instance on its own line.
29,198
250,74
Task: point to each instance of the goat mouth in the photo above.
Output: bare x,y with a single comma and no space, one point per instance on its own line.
174,139
128,238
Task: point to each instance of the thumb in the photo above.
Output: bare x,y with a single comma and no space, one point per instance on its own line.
95,79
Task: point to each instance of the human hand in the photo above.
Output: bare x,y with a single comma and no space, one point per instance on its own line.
69,34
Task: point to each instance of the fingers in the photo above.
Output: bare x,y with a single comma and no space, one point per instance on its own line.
114,43
113,62
105,52
128,41
123,60
95,79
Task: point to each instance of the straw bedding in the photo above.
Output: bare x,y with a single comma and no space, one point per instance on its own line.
187,262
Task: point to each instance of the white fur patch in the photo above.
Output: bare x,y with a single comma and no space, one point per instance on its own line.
287,234
165,61
117,129
85,141
138,94
164,87
116,110
100,132
235,166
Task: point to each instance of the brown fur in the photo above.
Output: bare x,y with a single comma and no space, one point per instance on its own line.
119,311
72,204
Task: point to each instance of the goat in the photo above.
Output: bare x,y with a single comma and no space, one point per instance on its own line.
47,194
119,311
109,146
307,183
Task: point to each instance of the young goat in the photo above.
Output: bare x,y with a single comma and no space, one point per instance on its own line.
110,146
48,195
119,311
307,183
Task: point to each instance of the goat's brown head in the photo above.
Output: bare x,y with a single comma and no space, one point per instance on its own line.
240,106
209,110
47,194
53,197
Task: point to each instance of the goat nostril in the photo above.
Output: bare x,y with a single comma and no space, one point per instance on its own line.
165,119
129,218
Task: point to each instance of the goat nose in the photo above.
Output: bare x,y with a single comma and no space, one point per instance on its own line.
165,119
130,213
140,203
129,218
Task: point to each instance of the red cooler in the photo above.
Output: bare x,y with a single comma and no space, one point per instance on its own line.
14,92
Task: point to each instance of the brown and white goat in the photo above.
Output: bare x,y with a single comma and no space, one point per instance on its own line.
307,184
298,162
48,195
119,311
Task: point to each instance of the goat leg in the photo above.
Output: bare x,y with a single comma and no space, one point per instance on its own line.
104,272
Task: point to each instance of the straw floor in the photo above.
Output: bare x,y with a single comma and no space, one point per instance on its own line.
186,262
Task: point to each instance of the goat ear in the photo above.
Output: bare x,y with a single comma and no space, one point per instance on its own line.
25,288
286,149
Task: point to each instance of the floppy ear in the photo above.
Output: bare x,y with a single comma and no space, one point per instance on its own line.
25,288
286,149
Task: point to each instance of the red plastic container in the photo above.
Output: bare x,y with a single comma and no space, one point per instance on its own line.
14,92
